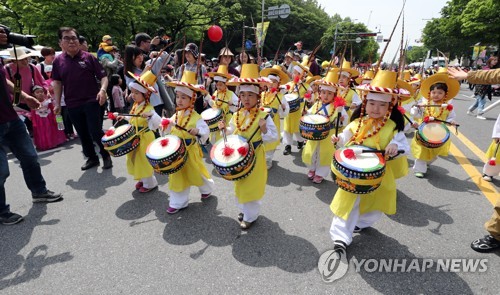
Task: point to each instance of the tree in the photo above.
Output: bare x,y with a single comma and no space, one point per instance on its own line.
481,18
416,54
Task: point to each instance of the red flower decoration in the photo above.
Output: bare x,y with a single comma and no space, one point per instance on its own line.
111,116
307,95
449,107
338,102
401,110
287,87
205,75
213,97
296,79
164,142
492,162
349,154
426,119
274,90
227,151
110,132
262,109
242,150
165,122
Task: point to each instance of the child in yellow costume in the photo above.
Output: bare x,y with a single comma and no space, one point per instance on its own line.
317,154
492,166
437,91
222,99
291,122
250,119
137,163
106,46
377,124
346,74
194,172
272,98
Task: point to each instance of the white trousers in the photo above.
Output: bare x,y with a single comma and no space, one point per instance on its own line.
316,167
288,137
342,229
250,210
179,200
269,157
421,165
149,182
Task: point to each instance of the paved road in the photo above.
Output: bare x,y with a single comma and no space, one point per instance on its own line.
104,238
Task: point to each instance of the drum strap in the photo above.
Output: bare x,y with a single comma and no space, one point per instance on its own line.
256,144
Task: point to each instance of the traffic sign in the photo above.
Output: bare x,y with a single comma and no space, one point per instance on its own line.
284,11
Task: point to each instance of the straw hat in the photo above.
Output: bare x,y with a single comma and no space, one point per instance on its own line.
222,71
384,82
302,66
276,70
346,67
226,52
330,80
402,84
188,80
146,80
417,78
312,79
21,54
406,75
249,75
369,75
440,77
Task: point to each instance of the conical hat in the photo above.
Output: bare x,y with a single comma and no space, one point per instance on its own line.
406,75
346,67
401,84
416,79
225,51
384,82
440,77
331,78
188,80
325,64
146,79
369,75
249,75
312,79
277,71
222,71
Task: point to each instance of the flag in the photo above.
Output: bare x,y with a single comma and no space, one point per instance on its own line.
261,33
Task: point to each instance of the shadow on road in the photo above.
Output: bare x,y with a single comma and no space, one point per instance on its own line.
371,244
142,205
414,213
15,238
95,182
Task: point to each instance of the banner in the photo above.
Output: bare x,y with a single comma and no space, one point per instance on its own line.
261,33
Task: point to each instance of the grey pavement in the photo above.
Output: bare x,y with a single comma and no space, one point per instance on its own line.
106,238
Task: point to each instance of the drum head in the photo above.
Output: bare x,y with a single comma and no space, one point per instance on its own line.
234,142
118,132
434,132
362,162
314,119
291,96
210,113
158,150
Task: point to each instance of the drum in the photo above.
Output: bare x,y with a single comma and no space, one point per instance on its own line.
293,101
314,127
432,134
212,117
123,140
233,160
167,154
358,173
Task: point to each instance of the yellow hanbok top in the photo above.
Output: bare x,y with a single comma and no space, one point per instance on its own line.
384,197
291,121
192,172
223,101
137,163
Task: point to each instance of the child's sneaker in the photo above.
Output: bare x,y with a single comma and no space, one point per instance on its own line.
419,175
205,196
171,210
311,174
487,178
318,179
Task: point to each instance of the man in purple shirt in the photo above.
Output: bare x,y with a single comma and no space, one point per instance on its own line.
13,134
77,72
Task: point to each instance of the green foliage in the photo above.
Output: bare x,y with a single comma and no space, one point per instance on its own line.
416,54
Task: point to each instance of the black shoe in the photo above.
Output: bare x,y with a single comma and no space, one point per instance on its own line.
107,164
300,145
90,163
47,197
9,218
357,229
287,150
240,217
486,244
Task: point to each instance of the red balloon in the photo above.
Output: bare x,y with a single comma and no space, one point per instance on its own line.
215,33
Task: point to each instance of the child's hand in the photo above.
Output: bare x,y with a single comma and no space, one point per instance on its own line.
497,140
147,68
334,139
414,125
353,106
147,115
391,150
194,131
222,125
263,126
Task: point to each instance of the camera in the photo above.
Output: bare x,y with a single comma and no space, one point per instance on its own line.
18,39
161,34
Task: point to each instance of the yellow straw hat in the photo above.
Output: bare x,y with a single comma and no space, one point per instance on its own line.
249,75
188,80
440,77
222,71
346,67
385,82
276,70
146,80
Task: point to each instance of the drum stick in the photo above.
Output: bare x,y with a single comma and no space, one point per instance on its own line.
432,105
184,129
407,118
358,151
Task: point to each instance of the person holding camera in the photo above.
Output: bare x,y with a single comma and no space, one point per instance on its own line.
77,71
13,135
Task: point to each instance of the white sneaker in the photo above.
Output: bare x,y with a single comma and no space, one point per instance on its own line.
269,165
470,113
487,178
480,117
